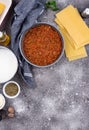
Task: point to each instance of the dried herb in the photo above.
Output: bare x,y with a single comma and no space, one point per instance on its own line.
11,89
52,5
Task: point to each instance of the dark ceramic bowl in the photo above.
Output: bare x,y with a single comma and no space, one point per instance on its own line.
21,45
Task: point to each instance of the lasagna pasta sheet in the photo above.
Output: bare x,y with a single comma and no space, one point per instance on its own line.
75,32
74,25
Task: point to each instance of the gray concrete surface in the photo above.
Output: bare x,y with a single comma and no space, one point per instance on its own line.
61,99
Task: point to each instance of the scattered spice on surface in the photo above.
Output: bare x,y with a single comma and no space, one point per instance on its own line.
42,45
11,89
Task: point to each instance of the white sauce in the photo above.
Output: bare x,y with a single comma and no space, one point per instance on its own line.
8,64
2,101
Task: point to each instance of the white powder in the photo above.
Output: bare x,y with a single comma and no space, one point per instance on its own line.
62,89
8,65
48,107
19,105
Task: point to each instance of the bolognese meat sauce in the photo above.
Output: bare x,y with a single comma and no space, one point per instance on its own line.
42,45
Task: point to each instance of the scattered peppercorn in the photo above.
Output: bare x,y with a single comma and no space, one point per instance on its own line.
3,114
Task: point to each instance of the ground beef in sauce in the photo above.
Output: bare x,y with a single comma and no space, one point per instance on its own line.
42,45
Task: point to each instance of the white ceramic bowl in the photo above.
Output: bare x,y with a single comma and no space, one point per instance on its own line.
8,96
7,4
8,64
3,101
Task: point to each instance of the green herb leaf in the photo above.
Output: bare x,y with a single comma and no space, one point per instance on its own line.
52,5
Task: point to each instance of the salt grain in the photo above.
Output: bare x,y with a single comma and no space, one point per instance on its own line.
19,105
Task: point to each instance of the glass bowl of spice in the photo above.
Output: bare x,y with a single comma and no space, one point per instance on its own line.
42,45
11,89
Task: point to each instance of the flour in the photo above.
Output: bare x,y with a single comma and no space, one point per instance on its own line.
20,106
62,100
69,72
73,112
48,107
70,76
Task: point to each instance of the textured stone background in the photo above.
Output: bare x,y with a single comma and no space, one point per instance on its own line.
61,99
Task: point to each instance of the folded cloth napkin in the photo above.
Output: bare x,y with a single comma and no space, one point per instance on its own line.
26,14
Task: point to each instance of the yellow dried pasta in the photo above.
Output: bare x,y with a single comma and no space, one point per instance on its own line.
2,7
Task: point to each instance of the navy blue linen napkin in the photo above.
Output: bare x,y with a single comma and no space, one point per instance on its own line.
26,14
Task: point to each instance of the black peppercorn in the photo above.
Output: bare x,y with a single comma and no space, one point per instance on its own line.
0,117
3,114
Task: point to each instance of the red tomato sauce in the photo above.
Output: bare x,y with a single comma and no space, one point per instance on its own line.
42,45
